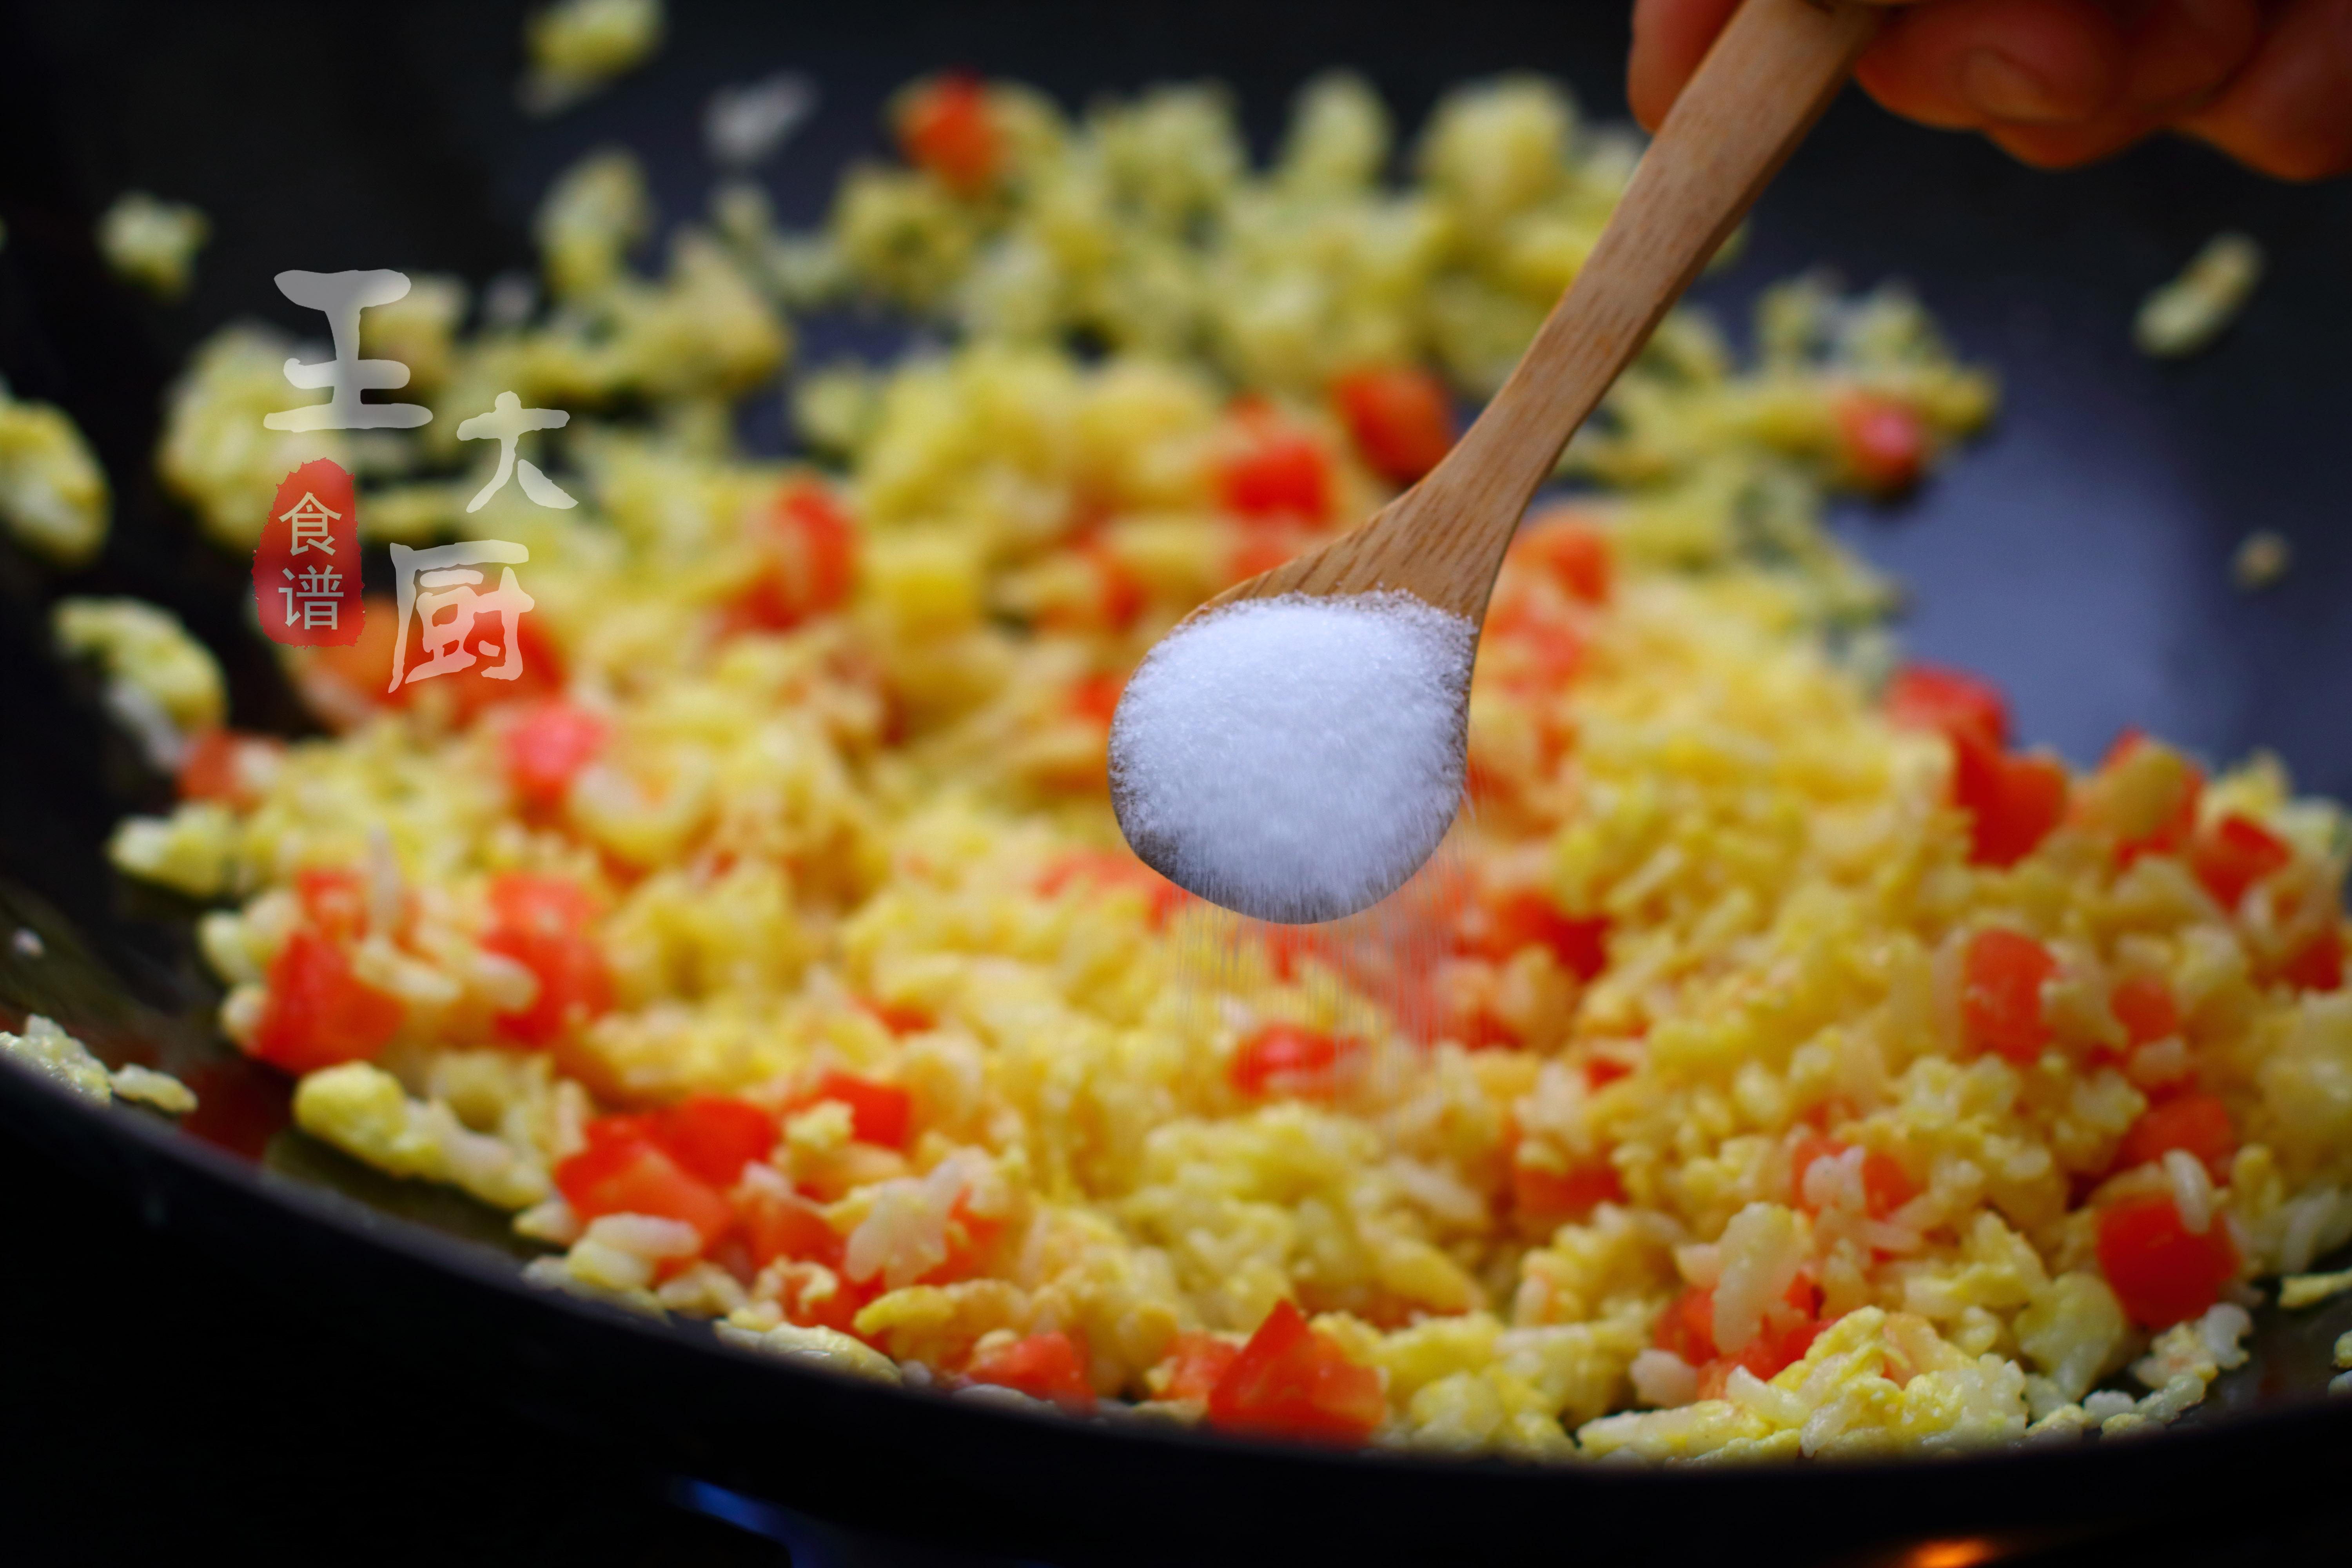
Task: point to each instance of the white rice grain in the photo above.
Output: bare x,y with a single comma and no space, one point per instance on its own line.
2192,1189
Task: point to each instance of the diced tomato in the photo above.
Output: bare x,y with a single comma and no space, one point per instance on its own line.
539,922
2233,855
1480,1029
1549,1198
1574,554
535,902
547,746
1291,1059
810,517
2012,801
2162,1272
2142,1005
1196,1364
786,1225
2318,964
208,767
1885,1184
1399,418
343,684
1775,1348
1278,472
2197,1123
1263,550
1095,698
1042,1366
216,766
944,128
837,1308
1543,655
622,1126
1809,1149
1119,594
879,1112
713,1136
575,983
900,1017
1525,917
1687,1326
2000,995
1885,441
318,1013
1286,945
335,901
1602,1071
1929,697
1291,1381
541,679
620,1175
808,548
970,1237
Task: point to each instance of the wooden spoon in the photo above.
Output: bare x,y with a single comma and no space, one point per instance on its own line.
1192,809
1770,75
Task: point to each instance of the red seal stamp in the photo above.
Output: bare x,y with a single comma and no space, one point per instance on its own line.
306,570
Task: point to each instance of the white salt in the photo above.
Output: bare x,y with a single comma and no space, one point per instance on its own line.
1296,759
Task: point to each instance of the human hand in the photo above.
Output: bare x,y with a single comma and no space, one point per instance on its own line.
2061,83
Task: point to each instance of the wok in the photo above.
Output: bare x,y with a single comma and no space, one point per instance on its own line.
2078,554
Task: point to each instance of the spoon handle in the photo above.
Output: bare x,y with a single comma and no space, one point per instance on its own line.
1770,75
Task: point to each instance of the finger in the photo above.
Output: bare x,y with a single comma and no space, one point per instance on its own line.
2184,51
2071,146
2177,55
1979,63
1670,38
2289,112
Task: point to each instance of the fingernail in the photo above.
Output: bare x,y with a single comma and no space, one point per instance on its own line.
2003,90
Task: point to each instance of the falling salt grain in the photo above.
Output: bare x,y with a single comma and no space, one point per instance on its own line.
1296,759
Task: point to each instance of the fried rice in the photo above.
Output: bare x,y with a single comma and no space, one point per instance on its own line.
1775,1061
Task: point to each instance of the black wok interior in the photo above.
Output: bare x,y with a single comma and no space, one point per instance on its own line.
2078,554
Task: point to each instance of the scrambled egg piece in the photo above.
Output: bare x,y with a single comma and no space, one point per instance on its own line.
2310,1290
2187,314
191,851
53,494
578,45
162,683
153,243
47,1048
828,1349
364,1111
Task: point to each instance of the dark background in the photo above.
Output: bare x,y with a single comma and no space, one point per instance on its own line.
154,1398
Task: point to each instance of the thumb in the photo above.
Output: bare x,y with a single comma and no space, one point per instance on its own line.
1670,38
